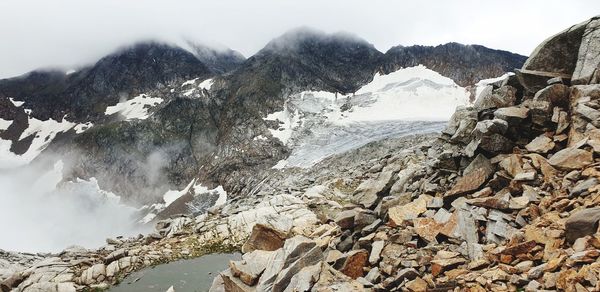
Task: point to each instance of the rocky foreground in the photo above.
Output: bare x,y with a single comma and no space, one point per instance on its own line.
506,198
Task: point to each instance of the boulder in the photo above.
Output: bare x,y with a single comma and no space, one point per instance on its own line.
543,64
251,266
534,80
345,219
461,124
556,94
355,261
501,97
495,143
582,223
470,182
376,249
583,186
233,284
588,59
571,158
540,144
264,238
398,214
368,192
512,114
94,274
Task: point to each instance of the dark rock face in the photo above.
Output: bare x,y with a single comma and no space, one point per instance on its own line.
300,60
465,64
85,94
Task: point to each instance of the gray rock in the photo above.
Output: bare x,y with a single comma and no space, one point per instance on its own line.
502,97
487,127
376,249
556,94
513,114
478,164
543,59
305,279
461,124
368,192
583,186
540,144
496,143
371,227
582,223
588,112
588,59
345,219
373,275
252,265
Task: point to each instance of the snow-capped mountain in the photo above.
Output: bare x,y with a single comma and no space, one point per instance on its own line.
153,117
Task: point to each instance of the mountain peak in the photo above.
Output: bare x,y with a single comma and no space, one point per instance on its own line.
297,38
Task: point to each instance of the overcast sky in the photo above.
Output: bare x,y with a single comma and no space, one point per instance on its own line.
67,33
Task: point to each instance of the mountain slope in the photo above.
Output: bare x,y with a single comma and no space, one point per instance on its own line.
154,108
465,64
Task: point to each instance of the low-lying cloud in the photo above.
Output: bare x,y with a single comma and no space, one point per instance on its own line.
68,33
39,212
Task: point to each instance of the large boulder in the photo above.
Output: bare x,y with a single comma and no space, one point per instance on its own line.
588,59
571,158
501,97
582,223
265,237
554,57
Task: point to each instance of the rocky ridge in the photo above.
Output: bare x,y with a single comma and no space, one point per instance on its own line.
505,200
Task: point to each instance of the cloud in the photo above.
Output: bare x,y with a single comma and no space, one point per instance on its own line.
67,33
41,212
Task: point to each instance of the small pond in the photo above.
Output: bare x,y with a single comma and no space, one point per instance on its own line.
193,275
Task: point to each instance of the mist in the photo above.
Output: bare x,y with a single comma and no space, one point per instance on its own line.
71,33
42,213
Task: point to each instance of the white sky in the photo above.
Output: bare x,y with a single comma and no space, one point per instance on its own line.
67,33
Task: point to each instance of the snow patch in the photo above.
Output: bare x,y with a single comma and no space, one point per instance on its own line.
281,164
16,103
4,124
135,108
43,132
204,85
171,196
80,128
288,121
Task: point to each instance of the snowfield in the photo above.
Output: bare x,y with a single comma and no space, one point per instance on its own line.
135,108
204,85
42,131
317,124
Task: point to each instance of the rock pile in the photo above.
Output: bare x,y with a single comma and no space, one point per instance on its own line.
506,199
